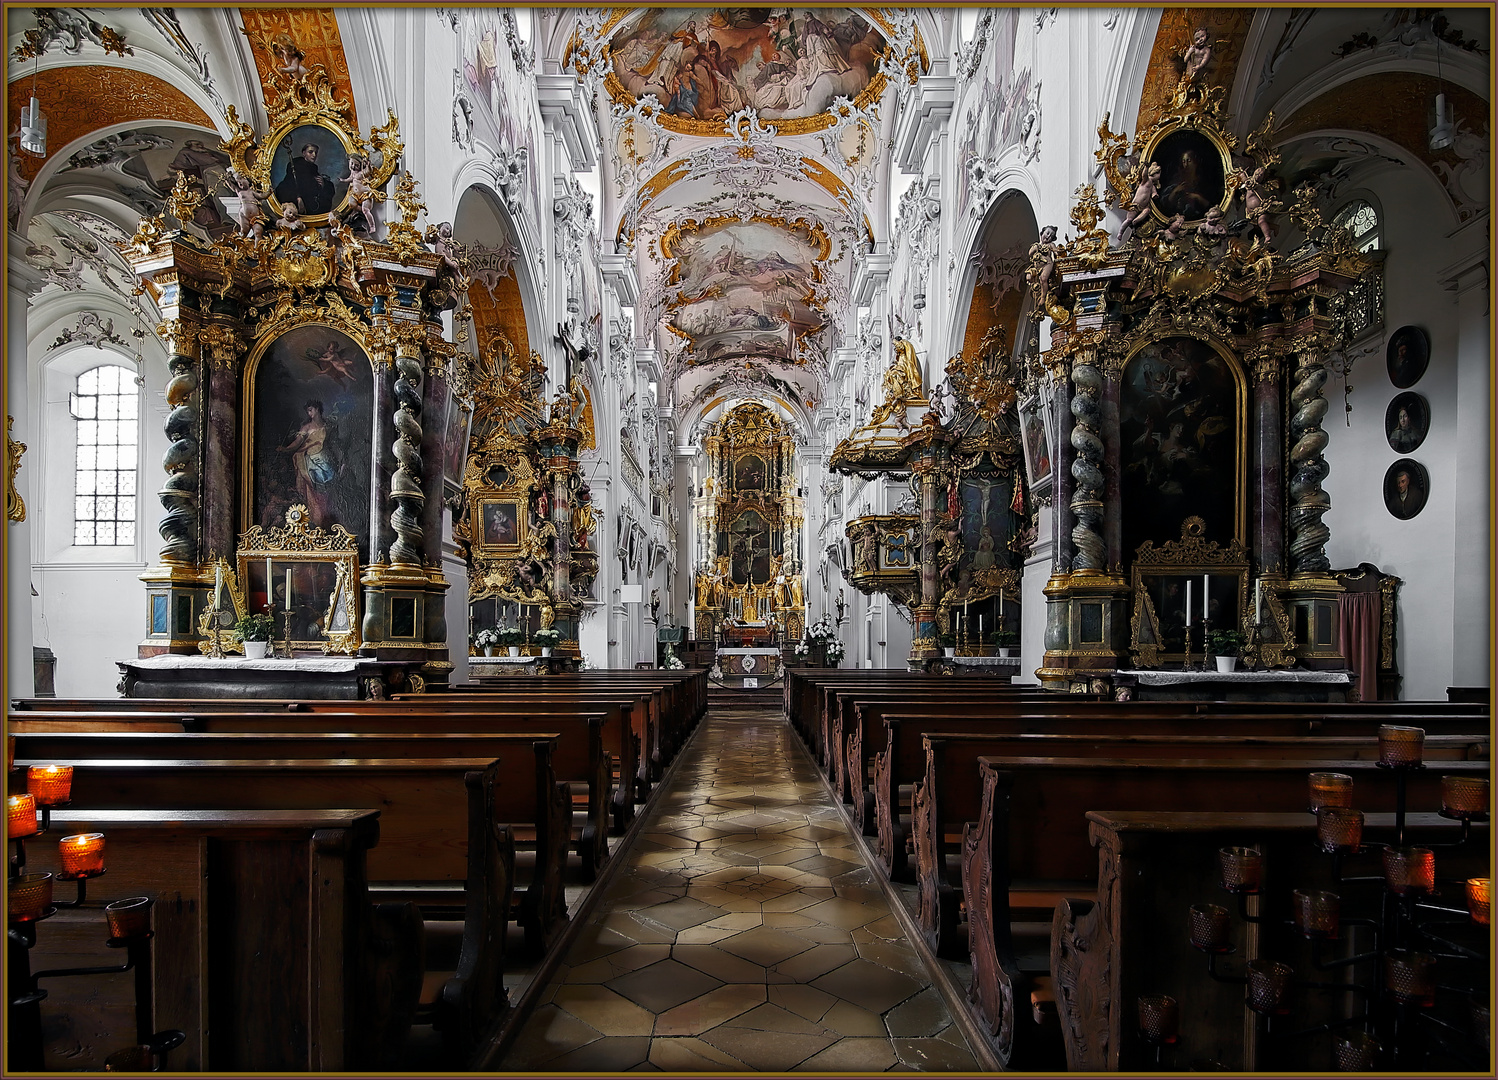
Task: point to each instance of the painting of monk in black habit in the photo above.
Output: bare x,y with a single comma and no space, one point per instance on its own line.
309,170
1191,175
1406,422
1408,355
1406,487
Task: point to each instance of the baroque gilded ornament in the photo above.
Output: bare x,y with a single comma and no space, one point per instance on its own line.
15,506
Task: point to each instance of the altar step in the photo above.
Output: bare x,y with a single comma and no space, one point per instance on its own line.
765,695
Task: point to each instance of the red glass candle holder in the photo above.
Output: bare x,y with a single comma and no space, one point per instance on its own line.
82,855
1339,829
129,918
1482,1020
52,785
1411,977
1211,928
1268,984
1242,869
1357,1052
1480,900
1317,913
1330,789
20,816
1464,797
29,897
1400,746
1159,1018
1410,870
131,1059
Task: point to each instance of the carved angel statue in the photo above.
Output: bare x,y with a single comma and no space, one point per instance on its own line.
288,57
1041,265
1144,196
346,247
448,249
943,403
1175,230
548,617
290,219
361,194
251,215
1197,56
1257,198
1215,223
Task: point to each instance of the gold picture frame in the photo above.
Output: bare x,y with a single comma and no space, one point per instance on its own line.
500,523
323,566
1159,581
1189,190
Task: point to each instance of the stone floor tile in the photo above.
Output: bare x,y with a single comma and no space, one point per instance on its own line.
706,934
935,1055
765,946
804,1001
548,1032
680,914
664,985
691,1055
848,914
711,1009
815,962
601,1008
847,1018
616,964
922,1016
784,1051
895,955
853,1055
868,984
604,1055
797,900
719,964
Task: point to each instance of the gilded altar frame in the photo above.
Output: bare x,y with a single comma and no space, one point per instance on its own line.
1178,128
299,543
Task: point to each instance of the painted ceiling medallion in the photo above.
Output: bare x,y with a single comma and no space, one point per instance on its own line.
790,64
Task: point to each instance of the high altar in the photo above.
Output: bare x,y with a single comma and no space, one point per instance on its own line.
748,514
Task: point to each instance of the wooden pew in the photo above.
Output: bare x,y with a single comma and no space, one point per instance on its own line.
268,952
950,792
1029,847
579,759
1130,938
437,814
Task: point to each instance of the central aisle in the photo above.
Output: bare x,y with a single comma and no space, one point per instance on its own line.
744,932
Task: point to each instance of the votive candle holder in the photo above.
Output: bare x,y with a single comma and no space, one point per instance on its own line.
1356,1052
1464,797
1409,870
20,815
1317,913
1330,789
1410,977
132,1059
1400,746
51,784
1242,869
129,918
29,897
1268,983
82,856
1339,828
1211,928
1480,900
1159,1018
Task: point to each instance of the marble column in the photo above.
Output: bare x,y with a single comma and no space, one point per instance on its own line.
927,465
406,492
1062,456
1087,466
221,474
181,524
382,461
1112,463
1268,522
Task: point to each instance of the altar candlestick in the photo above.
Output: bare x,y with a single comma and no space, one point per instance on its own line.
1188,601
980,627
218,584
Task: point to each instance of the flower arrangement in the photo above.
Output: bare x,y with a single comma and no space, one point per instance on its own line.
835,653
822,633
487,638
547,638
256,627
510,635
671,661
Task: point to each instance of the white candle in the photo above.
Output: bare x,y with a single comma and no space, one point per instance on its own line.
218,583
1188,601
1206,614
1258,602
288,588
980,627
269,591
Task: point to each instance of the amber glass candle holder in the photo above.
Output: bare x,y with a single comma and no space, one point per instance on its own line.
1159,1018
1357,1052
20,816
129,918
1242,869
52,785
1317,913
1464,797
1410,870
1410,977
1211,928
82,855
1330,789
1482,1020
132,1059
1339,829
1480,900
1400,747
29,897
1268,985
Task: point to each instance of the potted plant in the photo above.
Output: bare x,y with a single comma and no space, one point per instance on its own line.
487,639
255,632
1005,640
547,638
948,642
1225,644
512,637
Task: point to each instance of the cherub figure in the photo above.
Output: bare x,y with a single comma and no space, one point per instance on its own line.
288,57
1197,55
290,219
250,217
943,403
360,193
1175,230
1255,189
1144,197
1042,264
1215,223
446,247
346,247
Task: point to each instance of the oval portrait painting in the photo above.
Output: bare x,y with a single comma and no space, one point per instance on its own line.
1192,175
309,170
1406,422
1408,355
1406,487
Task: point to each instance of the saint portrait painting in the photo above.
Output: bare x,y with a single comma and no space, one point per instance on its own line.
1408,356
310,170
313,411
501,524
1192,176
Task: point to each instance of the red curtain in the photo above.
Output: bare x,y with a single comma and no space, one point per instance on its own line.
1361,615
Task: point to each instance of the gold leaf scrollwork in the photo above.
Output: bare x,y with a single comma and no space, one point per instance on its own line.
15,506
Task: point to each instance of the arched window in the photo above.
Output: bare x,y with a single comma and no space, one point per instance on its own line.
1359,218
106,407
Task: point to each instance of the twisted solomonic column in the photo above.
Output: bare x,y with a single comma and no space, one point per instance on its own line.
405,483
1087,467
179,495
1308,468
